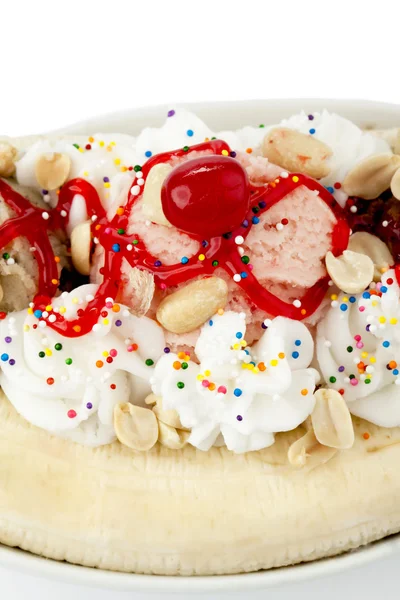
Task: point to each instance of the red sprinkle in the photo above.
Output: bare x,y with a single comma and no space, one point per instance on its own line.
50,381
71,414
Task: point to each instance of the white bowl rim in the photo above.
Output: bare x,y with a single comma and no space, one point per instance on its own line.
362,111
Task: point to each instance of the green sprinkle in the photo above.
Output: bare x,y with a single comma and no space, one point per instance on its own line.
245,260
58,346
184,365
137,168
261,125
121,231
149,362
332,379
6,256
68,361
352,376
214,138
180,385
135,242
186,148
42,354
349,348
367,381
215,263
76,146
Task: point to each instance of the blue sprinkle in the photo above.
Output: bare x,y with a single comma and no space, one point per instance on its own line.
247,352
297,343
239,335
386,344
4,357
262,204
115,248
211,323
38,314
237,391
395,371
184,260
148,153
189,132
312,130
366,295
352,299
255,220
243,275
158,263
330,189
295,354
343,307
383,289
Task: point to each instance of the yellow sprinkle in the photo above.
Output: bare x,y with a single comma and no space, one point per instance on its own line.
334,297
26,328
256,370
295,179
105,321
207,373
374,303
345,299
201,257
49,308
243,343
117,161
382,319
101,144
112,143
75,300
62,309
393,321
48,352
236,346
364,354
81,150
91,139
225,152
105,353
200,377
86,173
30,311
273,362
107,184
123,169
384,269
220,311
372,359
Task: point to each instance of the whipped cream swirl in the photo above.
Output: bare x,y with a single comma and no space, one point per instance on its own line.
244,394
358,351
70,386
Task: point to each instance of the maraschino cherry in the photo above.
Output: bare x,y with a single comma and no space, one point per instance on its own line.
206,196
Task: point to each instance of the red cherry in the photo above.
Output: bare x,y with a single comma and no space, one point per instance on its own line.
206,196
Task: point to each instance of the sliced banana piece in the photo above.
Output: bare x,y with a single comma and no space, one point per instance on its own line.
191,306
372,176
331,420
297,152
370,245
52,170
135,427
152,206
81,240
352,272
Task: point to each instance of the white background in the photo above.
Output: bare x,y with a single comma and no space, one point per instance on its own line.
62,61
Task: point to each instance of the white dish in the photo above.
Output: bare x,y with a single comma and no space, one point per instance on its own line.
229,115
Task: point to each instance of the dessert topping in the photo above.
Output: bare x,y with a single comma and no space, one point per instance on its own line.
351,272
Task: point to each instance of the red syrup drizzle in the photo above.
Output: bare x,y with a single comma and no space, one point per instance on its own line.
30,223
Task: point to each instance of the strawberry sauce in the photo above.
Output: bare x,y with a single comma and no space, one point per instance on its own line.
219,251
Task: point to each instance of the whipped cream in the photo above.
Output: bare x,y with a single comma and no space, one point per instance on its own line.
70,386
358,351
349,144
245,394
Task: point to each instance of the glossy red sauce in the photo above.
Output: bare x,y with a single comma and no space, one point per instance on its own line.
220,251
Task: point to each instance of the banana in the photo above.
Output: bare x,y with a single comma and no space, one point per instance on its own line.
186,512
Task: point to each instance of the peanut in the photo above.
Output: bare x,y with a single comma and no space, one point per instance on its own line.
352,272
331,420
